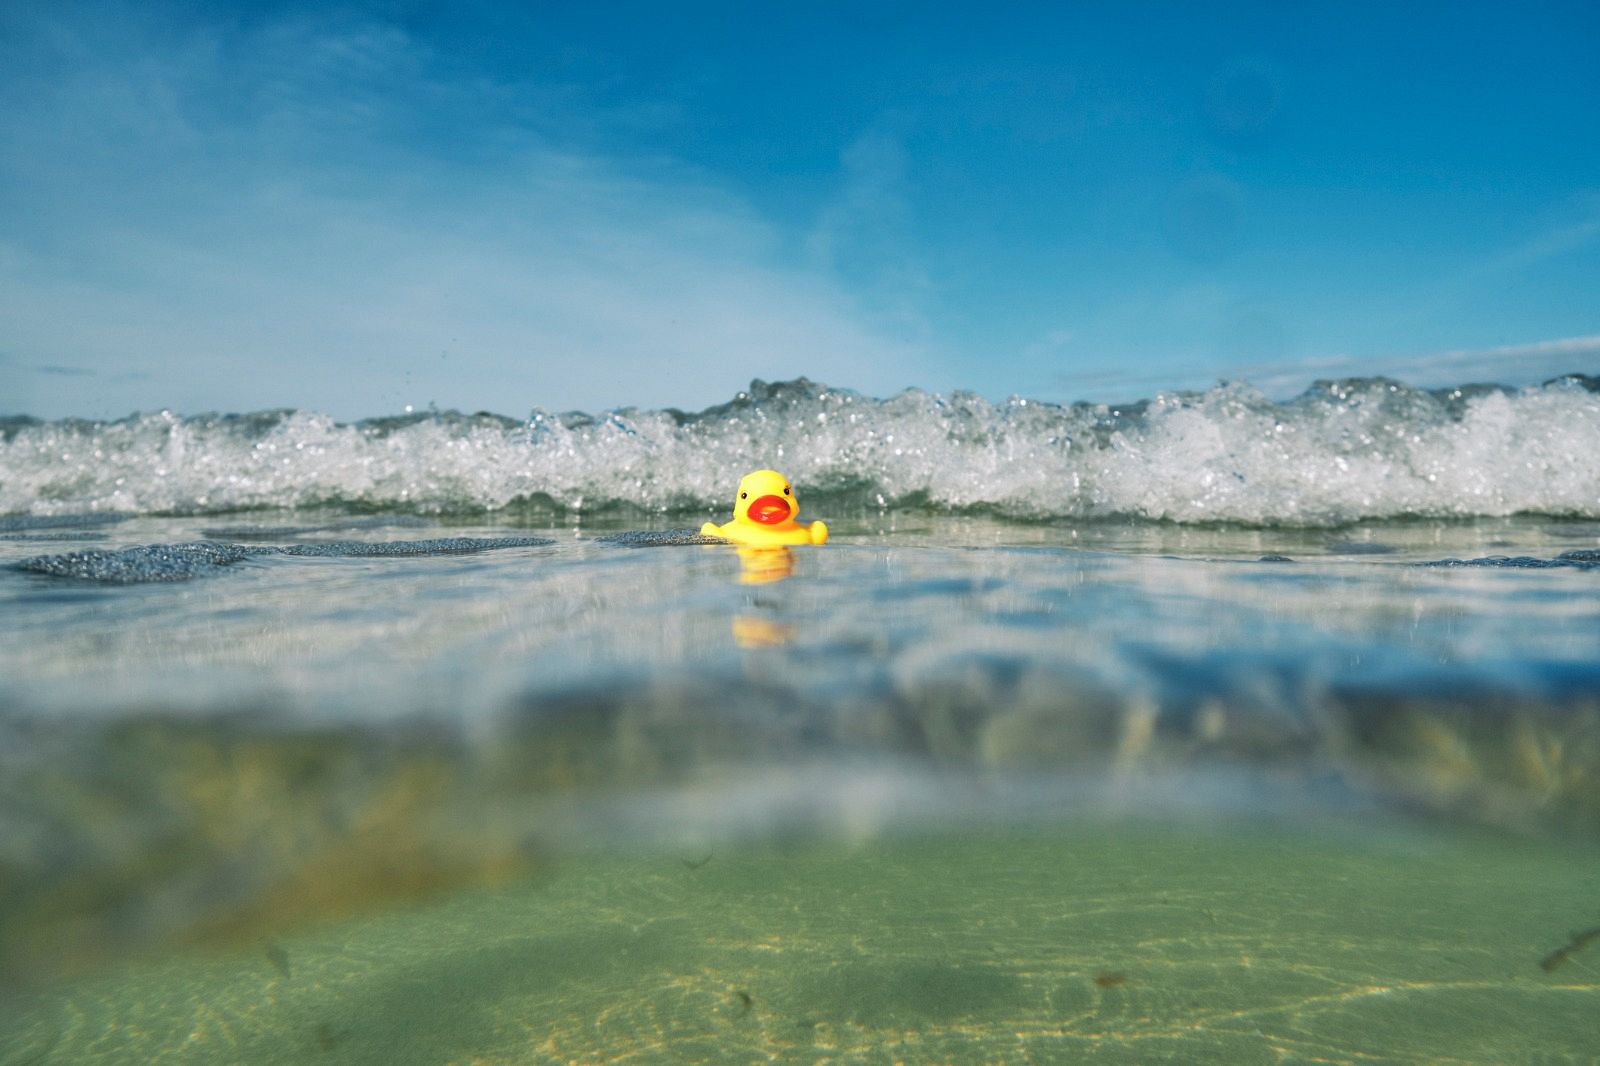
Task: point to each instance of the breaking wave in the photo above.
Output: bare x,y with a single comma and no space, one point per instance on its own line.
1340,452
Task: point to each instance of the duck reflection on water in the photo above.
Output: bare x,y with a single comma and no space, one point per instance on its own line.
757,628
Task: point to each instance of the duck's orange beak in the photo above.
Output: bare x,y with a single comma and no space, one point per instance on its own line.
768,510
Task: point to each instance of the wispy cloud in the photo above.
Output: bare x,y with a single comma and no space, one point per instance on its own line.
1481,276
1579,230
1191,336
1512,364
865,231
311,213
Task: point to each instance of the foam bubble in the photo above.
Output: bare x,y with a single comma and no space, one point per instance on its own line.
1341,452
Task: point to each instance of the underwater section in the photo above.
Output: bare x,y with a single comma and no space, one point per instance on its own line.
1107,941
205,746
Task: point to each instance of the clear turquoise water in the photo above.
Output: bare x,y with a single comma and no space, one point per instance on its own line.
1121,942
947,790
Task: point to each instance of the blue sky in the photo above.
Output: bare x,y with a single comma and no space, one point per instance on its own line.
352,209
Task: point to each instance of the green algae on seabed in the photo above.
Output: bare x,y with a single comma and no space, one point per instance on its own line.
1111,942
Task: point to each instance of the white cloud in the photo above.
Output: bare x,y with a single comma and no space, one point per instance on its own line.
260,219
1515,365
866,231
1512,364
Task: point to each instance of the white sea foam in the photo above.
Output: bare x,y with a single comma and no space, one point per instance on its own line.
1343,451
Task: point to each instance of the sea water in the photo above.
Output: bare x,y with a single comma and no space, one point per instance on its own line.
1206,728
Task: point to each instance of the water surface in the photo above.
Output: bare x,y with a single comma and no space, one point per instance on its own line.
385,744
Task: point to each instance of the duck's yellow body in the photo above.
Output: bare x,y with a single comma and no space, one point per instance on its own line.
763,515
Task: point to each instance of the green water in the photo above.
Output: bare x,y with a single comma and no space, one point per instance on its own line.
1105,942
947,792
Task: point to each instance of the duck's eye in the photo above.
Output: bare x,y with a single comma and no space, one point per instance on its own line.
786,490
744,495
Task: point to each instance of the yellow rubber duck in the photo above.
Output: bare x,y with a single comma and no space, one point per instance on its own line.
763,515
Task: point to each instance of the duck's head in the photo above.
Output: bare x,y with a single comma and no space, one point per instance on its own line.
765,499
